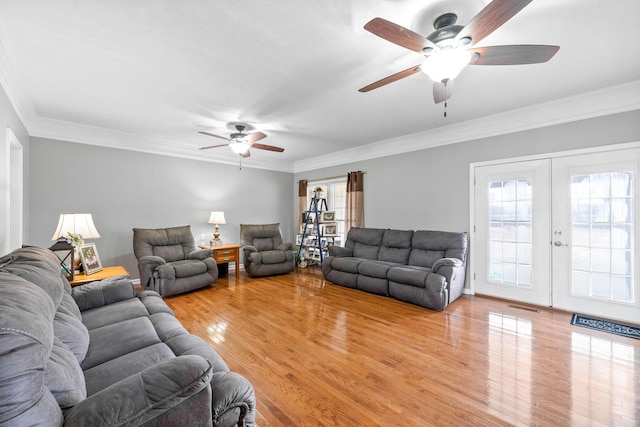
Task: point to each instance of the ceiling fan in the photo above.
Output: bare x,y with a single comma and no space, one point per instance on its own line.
241,142
450,47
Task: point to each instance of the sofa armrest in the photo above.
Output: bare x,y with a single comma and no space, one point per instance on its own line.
200,254
233,400
285,247
339,251
108,291
138,399
446,262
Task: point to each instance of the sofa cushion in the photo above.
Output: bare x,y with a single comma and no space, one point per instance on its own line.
364,242
63,376
113,313
396,246
110,372
264,244
348,265
410,275
38,266
188,268
377,269
432,245
117,339
273,257
424,257
71,331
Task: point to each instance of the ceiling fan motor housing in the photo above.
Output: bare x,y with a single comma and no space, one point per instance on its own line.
445,31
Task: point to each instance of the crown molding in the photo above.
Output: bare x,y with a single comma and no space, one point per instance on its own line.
93,135
617,99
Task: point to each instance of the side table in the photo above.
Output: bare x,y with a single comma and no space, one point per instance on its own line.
105,273
224,254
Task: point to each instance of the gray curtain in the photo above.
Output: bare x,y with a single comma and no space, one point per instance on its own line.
354,216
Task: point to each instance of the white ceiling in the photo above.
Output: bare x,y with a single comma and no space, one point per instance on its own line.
148,74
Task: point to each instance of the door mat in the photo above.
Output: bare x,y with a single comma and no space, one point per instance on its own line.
606,326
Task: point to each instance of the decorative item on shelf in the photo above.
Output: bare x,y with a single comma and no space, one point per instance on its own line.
217,218
317,192
70,233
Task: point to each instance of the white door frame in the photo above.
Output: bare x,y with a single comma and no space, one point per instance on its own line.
472,202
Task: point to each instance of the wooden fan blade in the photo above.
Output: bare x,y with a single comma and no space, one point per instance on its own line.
442,92
214,135
512,54
390,79
491,18
213,146
254,137
267,147
398,35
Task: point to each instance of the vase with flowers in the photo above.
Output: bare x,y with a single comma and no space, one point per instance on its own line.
76,240
317,192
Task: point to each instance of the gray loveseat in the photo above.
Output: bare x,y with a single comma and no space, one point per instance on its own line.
100,355
422,267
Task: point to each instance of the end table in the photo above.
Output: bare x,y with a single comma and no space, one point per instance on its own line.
105,273
224,254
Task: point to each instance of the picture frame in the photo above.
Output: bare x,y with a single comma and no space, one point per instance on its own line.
327,216
329,229
90,258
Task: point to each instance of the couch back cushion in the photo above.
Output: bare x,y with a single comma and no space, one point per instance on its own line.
396,246
430,246
37,265
170,244
26,343
364,242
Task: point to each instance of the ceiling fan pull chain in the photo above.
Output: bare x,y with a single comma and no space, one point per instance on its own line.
445,101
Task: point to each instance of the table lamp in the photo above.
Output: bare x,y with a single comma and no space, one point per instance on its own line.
73,228
217,218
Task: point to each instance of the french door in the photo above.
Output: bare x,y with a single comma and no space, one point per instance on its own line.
561,232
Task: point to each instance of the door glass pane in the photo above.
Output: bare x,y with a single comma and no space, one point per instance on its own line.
602,236
510,225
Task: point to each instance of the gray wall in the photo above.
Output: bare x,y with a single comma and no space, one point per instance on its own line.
429,189
126,189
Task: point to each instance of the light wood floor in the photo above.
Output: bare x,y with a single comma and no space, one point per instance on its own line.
323,355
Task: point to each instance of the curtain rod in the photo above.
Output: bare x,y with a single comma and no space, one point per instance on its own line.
329,177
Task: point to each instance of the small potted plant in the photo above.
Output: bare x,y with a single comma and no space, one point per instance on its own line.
317,192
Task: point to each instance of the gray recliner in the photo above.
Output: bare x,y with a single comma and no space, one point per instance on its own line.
265,253
169,262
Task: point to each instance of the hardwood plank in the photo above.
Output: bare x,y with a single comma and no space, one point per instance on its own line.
323,355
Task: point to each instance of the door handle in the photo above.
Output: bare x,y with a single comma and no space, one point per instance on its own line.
558,243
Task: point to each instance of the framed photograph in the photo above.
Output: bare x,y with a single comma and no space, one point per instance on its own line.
90,259
328,216
329,229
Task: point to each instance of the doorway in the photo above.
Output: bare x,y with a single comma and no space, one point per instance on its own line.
560,231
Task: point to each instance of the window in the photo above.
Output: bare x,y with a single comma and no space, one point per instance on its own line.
335,191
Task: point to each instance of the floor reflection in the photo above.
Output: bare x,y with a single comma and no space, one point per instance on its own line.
597,386
216,331
509,379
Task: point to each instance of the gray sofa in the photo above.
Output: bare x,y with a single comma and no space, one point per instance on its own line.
100,355
422,267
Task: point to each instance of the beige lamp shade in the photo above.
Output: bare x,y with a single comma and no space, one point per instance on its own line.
217,217
76,223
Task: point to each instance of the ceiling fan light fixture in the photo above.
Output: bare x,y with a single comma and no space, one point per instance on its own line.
446,64
239,147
